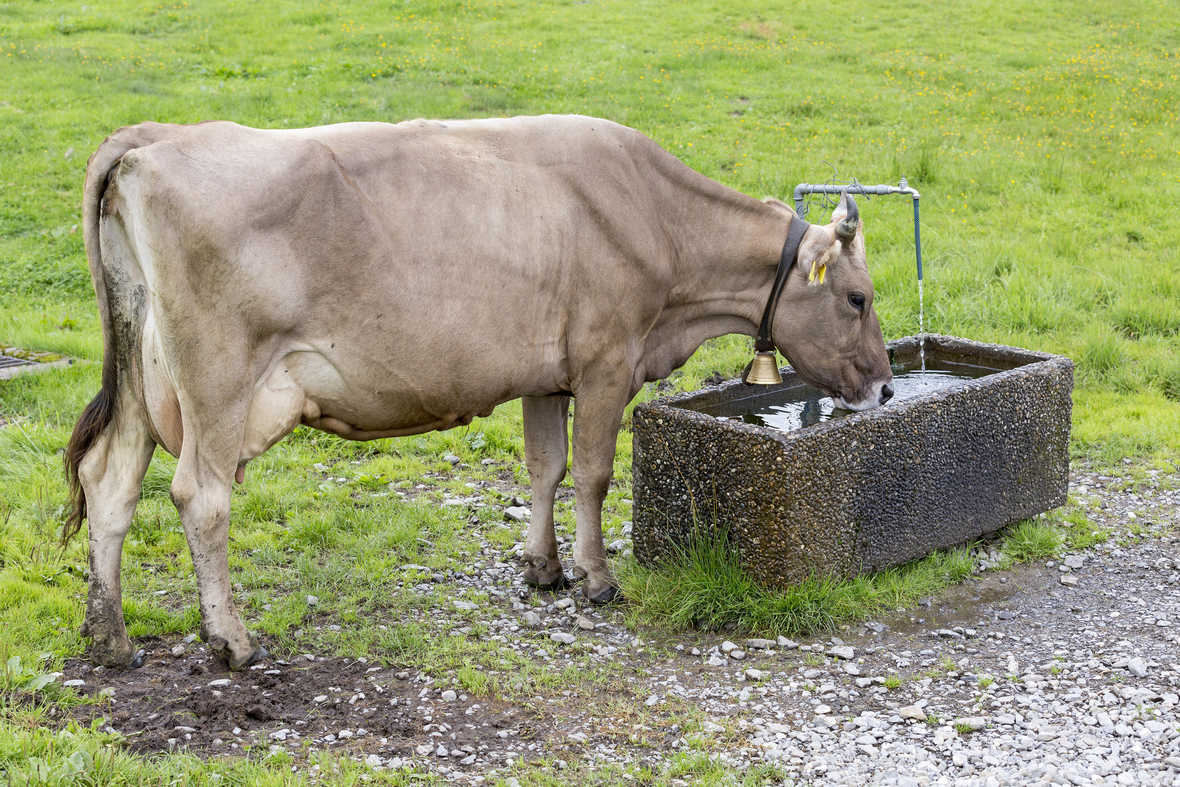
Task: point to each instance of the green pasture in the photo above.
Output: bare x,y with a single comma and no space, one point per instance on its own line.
1043,138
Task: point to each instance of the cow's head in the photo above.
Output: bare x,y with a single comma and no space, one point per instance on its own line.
825,324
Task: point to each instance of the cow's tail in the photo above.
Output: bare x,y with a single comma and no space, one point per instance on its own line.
101,410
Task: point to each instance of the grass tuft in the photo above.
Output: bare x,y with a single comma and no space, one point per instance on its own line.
1101,352
1032,540
1080,532
704,586
1140,317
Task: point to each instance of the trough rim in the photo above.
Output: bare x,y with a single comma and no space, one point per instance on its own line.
677,407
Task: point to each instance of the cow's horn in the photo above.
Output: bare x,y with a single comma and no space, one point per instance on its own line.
846,228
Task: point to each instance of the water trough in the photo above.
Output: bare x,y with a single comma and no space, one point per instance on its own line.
842,496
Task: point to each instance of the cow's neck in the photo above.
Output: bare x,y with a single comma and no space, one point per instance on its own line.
727,248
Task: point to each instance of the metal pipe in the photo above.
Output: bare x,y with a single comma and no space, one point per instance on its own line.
856,188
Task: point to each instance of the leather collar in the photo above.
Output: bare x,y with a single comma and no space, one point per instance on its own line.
762,342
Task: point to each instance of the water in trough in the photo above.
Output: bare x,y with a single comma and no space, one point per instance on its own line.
800,405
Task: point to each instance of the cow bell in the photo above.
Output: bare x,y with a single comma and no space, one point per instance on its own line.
763,370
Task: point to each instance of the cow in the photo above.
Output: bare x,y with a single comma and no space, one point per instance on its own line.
375,280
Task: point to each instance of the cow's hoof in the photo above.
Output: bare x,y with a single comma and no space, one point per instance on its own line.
115,653
260,653
546,579
599,591
544,574
252,655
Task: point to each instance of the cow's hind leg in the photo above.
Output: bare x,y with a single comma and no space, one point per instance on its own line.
201,492
546,448
111,474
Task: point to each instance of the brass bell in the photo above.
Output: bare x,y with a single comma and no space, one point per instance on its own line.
763,370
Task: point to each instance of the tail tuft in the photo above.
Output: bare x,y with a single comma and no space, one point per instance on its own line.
94,419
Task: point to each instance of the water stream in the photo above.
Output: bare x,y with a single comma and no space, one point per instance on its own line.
921,328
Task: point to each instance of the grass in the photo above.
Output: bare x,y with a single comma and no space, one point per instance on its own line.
1040,137
1032,540
703,586
33,754
1080,532
1046,536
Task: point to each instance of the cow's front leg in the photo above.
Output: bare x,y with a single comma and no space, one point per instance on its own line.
201,492
597,417
111,474
546,447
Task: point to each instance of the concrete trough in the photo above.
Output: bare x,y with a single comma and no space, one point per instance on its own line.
862,492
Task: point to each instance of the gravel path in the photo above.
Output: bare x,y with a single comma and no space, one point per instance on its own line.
1061,674
1044,673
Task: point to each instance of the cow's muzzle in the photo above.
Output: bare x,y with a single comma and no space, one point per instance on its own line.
879,394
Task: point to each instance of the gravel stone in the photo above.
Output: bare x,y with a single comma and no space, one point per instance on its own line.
517,513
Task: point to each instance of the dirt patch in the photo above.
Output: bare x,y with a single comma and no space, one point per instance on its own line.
185,699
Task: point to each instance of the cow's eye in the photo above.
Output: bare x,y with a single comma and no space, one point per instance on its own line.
857,300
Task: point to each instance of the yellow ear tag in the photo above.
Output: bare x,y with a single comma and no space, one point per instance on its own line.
816,275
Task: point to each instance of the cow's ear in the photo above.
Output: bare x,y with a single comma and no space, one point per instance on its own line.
819,266
846,217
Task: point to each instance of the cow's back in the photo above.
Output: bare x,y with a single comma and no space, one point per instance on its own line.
458,204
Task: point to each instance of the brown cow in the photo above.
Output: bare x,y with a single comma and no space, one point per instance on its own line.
376,280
